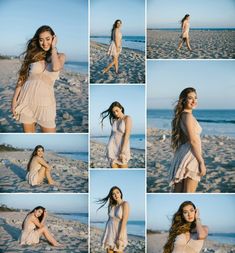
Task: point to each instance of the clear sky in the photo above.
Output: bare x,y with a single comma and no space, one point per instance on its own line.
55,142
204,14
104,13
19,21
216,210
68,203
132,184
131,97
213,80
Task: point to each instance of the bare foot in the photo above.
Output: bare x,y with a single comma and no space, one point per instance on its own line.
105,70
58,245
53,183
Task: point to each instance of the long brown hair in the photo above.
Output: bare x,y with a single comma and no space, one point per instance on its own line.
39,218
114,27
177,133
183,19
178,226
33,53
34,154
109,198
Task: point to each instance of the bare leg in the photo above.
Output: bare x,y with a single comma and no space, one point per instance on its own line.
116,64
123,166
190,185
29,128
41,174
44,231
188,44
105,70
48,130
180,44
178,187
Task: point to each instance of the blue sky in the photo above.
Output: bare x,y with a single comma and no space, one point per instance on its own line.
104,13
216,210
132,184
19,21
204,14
213,80
131,97
54,142
68,203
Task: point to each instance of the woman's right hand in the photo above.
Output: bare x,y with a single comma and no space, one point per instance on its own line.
13,107
202,169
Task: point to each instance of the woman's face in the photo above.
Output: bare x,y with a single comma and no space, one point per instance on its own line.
189,213
45,40
117,112
119,24
191,101
38,212
116,194
40,152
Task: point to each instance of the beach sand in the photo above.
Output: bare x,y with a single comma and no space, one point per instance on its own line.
218,153
156,241
72,234
98,156
131,65
71,92
136,244
162,44
71,175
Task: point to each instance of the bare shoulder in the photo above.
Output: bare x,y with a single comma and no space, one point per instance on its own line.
206,229
187,117
62,56
125,204
127,118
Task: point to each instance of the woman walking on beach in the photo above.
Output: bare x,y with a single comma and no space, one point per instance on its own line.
185,32
115,47
38,168
34,227
186,234
118,148
114,238
34,100
187,166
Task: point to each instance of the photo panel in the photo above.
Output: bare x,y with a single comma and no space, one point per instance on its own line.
44,163
119,140
115,199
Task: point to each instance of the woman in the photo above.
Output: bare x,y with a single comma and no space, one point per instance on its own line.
115,47
186,234
118,148
187,166
185,32
34,226
115,235
38,168
34,101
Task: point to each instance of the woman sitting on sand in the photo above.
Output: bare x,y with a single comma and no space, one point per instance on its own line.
115,47
38,168
34,101
114,238
186,234
118,148
34,226
185,32
188,165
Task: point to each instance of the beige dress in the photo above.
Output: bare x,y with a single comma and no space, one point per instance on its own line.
36,102
112,51
115,143
185,31
112,229
184,163
32,175
181,245
29,234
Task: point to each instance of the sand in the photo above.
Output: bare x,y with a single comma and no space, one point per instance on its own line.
162,44
136,244
156,242
72,234
98,158
131,65
218,153
71,92
72,175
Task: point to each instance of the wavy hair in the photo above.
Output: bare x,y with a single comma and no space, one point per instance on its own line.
183,19
177,134
34,154
39,218
178,226
33,53
114,27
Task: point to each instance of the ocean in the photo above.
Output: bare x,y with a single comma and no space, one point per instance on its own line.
78,67
82,217
82,156
136,140
228,238
213,122
133,227
133,42
194,29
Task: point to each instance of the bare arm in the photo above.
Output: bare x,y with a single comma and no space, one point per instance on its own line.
124,220
37,222
15,97
117,40
128,125
43,162
44,217
202,231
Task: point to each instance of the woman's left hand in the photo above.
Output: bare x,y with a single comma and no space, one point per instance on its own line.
197,214
54,41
